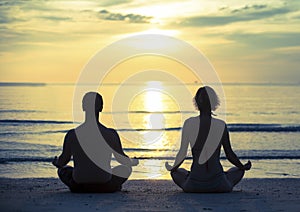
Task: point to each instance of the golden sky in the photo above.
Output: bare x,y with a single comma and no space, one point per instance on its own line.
246,41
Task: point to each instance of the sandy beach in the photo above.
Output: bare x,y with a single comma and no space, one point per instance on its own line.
49,194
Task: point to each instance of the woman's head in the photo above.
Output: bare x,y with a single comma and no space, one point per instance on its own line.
206,99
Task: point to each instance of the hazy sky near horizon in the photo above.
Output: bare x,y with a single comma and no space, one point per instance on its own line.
246,41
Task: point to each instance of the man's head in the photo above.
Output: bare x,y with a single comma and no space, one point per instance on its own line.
92,102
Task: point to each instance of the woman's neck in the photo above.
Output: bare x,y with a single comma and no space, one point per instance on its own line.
205,113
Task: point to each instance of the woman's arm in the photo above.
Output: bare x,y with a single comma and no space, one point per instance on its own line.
230,155
182,151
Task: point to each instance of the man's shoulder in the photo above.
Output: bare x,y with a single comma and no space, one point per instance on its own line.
106,129
70,132
108,133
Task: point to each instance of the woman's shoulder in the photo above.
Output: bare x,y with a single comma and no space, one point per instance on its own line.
192,120
196,120
219,121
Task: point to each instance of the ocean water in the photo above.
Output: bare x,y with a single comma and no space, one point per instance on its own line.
263,120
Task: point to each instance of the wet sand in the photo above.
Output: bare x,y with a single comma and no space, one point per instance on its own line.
49,194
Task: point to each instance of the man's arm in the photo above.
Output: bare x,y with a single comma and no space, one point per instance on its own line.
118,152
66,154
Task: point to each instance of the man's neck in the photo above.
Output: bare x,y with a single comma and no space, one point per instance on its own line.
91,117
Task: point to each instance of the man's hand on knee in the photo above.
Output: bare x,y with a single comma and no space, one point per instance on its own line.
54,162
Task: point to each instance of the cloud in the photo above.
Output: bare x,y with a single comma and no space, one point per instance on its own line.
244,14
113,3
9,3
247,8
14,11
7,18
264,47
56,18
133,18
269,40
17,11
4,19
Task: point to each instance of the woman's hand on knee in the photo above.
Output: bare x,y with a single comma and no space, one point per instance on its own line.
247,166
134,161
168,166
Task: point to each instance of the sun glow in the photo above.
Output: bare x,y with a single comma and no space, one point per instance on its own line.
153,101
153,97
152,107
158,31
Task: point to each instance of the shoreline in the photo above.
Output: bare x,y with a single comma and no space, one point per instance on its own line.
155,169
49,194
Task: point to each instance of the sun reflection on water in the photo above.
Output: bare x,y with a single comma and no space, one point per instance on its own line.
153,106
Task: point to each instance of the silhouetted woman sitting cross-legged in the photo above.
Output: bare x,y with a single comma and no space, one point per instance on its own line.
206,135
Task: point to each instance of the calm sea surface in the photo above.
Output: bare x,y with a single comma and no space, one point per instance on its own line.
264,124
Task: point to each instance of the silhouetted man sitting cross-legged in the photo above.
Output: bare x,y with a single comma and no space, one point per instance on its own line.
92,172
